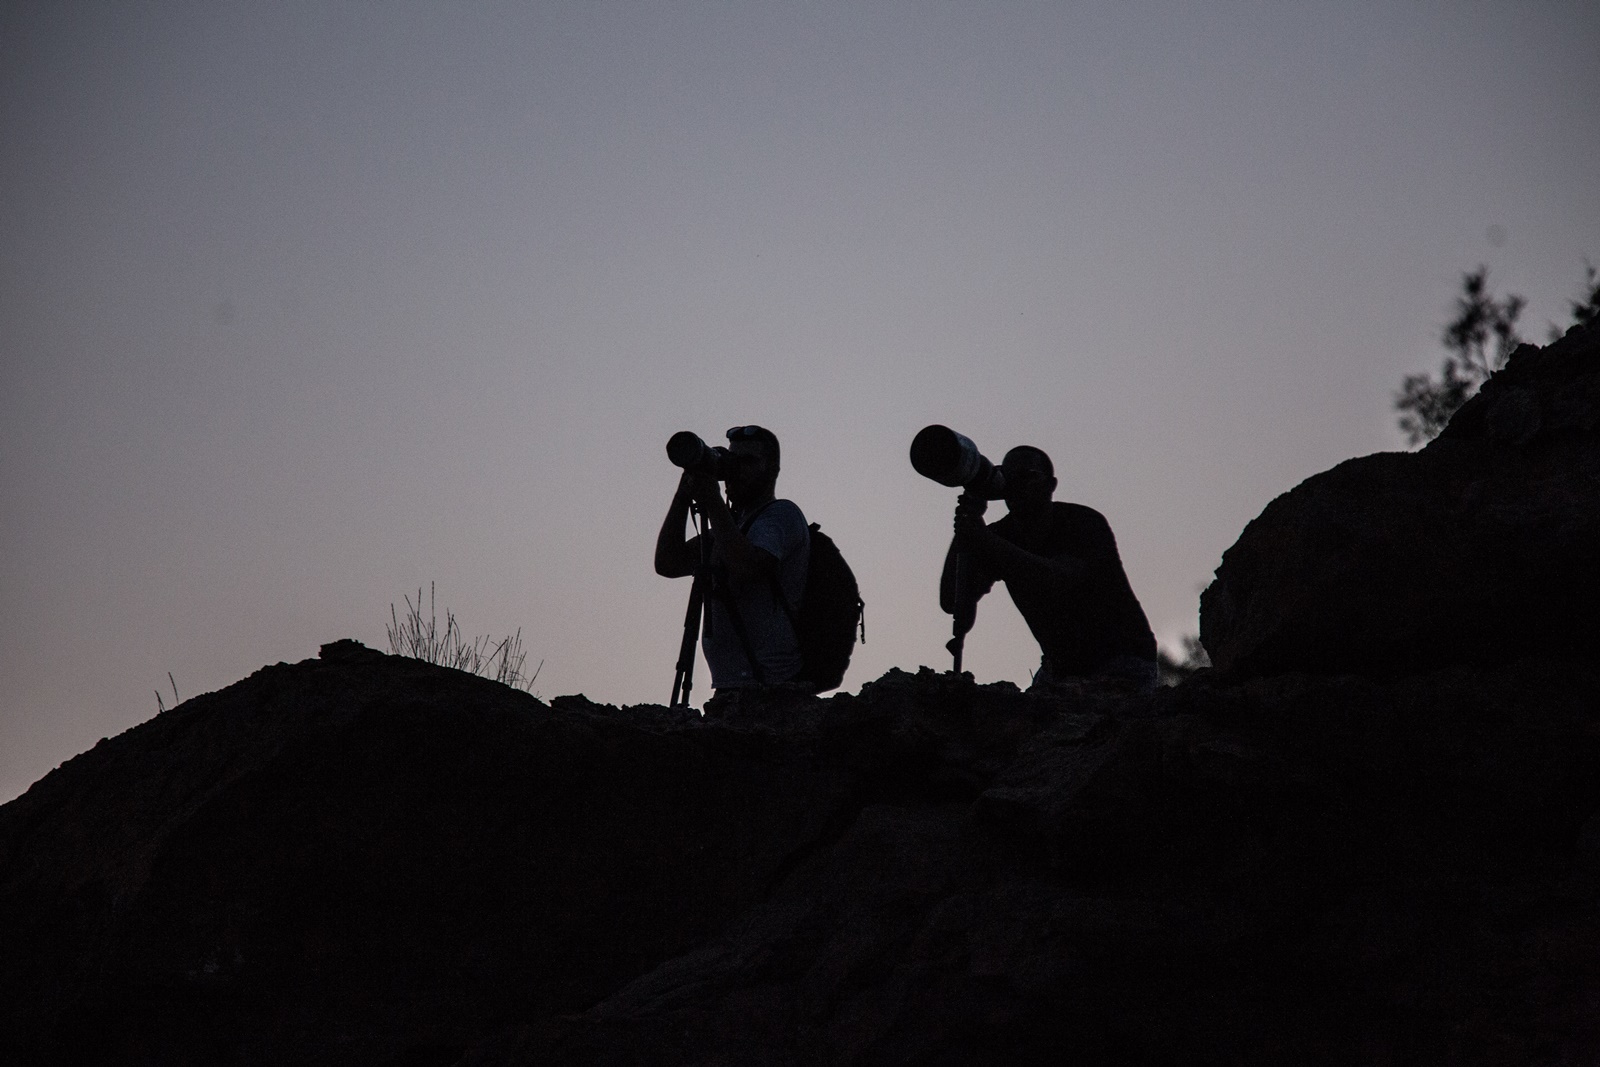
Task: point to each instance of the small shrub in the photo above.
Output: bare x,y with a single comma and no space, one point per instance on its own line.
422,639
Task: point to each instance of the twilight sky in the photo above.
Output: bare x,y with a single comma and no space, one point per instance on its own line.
306,305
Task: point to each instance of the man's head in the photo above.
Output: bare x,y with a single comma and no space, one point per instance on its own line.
757,452
1030,480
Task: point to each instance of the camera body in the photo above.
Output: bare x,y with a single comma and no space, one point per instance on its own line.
939,453
686,450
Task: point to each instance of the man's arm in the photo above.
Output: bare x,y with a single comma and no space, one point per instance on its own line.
676,552
973,580
747,564
677,555
1017,566
1002,560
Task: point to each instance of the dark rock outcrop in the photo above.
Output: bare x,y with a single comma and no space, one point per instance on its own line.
1482,547
1372,835
368,860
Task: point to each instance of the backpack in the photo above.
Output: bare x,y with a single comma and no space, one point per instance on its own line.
831,610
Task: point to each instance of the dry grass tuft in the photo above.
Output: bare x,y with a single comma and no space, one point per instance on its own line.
422,639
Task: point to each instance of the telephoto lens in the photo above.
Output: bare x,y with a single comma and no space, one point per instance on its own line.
686,450
939,453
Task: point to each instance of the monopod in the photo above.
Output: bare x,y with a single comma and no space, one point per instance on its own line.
949,458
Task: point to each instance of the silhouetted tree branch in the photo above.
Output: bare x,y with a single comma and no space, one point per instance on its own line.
1478,341
1426,403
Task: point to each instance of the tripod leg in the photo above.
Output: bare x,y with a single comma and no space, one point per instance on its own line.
684,681
691,616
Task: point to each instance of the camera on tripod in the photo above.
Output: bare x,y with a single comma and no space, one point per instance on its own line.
686,450
947,457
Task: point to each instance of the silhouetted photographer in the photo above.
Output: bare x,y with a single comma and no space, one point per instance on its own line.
1059,562
752,550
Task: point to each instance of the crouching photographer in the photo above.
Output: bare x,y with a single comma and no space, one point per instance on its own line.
750,550
1059,561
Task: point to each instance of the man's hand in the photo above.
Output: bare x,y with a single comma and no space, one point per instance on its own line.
701,488
674,557
969,522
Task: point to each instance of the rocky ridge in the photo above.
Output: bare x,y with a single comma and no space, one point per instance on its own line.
1370,835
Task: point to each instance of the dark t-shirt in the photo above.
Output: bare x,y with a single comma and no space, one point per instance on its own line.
1092,618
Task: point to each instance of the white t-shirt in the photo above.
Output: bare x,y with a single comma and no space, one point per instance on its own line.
780,530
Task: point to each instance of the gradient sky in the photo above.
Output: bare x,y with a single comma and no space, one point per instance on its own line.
306,305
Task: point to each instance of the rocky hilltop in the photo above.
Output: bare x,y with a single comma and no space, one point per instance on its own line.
1481,548
1370,835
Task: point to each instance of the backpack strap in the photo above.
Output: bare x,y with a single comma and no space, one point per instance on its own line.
750,520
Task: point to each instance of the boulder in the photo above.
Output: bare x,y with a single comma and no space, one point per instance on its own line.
1482,547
